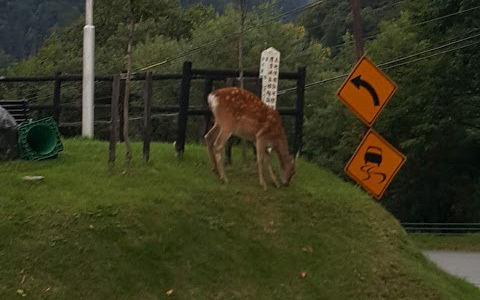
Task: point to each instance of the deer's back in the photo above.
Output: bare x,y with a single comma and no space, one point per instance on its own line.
241,108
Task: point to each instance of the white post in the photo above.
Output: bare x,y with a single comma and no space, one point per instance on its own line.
88,72
269,72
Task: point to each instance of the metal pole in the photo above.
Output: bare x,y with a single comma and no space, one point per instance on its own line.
88,72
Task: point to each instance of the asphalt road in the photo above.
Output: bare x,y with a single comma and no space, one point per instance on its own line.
459,263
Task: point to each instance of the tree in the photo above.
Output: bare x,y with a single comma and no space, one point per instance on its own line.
433,117
330,20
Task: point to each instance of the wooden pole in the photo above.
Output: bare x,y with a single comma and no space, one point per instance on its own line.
243,13
183,113
147,116
357,35
126,99
57,92
357,28
300,111
114,119
242,7
207,89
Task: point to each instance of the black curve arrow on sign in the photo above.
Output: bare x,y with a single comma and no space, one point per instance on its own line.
359,82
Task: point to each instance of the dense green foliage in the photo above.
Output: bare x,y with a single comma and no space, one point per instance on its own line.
434,118
329,21
87,232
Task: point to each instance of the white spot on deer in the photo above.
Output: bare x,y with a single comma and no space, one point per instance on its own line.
212,102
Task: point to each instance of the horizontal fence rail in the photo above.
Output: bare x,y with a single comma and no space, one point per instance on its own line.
182,110
442,228
196,74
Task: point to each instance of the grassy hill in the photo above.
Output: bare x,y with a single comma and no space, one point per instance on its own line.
90,233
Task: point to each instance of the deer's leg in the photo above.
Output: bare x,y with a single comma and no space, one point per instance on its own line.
260,145
218,146
268,162
210,138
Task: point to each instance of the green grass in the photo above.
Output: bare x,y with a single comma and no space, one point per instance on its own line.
87,232
469,242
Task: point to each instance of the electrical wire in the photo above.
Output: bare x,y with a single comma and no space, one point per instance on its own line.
406,27
215,41
397,62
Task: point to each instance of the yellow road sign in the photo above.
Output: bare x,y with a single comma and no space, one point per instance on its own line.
374,164
366,90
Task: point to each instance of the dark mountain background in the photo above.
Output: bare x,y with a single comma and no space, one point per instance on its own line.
24,24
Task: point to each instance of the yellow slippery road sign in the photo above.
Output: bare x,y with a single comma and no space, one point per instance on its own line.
375,164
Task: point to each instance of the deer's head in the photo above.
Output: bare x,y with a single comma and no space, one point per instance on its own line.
288,170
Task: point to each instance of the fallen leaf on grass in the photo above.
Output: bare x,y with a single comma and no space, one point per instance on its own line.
308,249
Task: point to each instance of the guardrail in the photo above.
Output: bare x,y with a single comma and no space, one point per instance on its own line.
442,228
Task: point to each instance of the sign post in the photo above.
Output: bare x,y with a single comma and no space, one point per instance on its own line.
366,91
269,71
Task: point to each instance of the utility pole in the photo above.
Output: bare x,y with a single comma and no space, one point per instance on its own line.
88,93
357,36
357,28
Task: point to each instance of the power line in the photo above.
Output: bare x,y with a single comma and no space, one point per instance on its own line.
406,27
373,10
304,7
213,42
396,62
432,55
394,66
445,16
429,50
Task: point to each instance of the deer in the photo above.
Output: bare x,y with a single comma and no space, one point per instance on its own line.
241,113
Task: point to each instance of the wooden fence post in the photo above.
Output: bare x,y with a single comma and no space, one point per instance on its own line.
208,87
183,112
297,145
57,90
147,116
121,96
114,118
